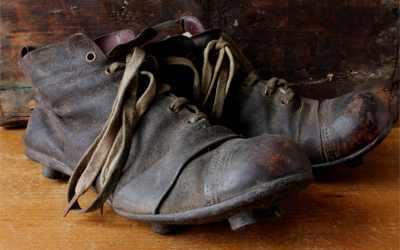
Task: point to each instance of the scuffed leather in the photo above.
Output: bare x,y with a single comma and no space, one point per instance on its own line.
174,164
62,76
350,122
328,130
253,114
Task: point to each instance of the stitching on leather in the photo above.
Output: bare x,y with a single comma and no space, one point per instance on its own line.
323,133
212,194
299,112
331,152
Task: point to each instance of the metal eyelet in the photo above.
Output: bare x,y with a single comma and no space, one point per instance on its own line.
32,104
90,56
192,120
172,109
107,71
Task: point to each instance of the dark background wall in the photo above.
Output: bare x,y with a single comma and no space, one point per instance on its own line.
301,40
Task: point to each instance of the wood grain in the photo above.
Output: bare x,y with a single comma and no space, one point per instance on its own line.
345,209
289,38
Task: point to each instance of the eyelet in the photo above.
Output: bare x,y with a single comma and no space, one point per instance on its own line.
90,56
192,120
283,102
171,108
107,71
32,104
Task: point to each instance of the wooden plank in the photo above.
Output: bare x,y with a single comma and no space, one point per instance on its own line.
346,209
292,38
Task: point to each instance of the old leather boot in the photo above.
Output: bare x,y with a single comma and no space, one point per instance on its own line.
151,155
383,83
16,104
331,131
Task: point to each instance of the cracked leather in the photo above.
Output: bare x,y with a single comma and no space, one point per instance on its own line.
173,165
328,130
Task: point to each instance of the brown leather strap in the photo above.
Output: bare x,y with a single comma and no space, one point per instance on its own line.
155,33
108,42
122,41
188,24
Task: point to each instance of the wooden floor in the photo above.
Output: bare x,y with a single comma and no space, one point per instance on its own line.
346,209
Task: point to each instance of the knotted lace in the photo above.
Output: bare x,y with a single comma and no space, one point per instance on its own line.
276,84
107,155
216,78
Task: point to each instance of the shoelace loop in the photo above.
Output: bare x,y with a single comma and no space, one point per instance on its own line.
182,102
274,85
217,76
107,155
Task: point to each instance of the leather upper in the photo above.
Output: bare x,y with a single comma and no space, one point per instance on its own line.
70,90
175,162
328,130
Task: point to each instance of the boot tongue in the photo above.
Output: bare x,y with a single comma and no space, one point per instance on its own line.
174,46
156,33
201,40
121,42
109,42
121,49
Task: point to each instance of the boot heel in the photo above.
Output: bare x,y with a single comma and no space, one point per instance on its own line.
52,174
356,162
163,229
241,220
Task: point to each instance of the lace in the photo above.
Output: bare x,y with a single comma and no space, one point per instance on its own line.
107,155
276,84
216,79
181,102
218,76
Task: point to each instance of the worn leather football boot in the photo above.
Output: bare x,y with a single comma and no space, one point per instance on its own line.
151,155
16,105
382,82
331,131
17,102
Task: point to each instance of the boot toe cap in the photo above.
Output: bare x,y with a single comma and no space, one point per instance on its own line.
258,161
356,120
236,167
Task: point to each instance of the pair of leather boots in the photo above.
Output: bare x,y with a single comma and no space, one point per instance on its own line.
172,126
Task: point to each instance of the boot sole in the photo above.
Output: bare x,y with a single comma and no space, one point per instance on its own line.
355,158
14,121
237,210
48,162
